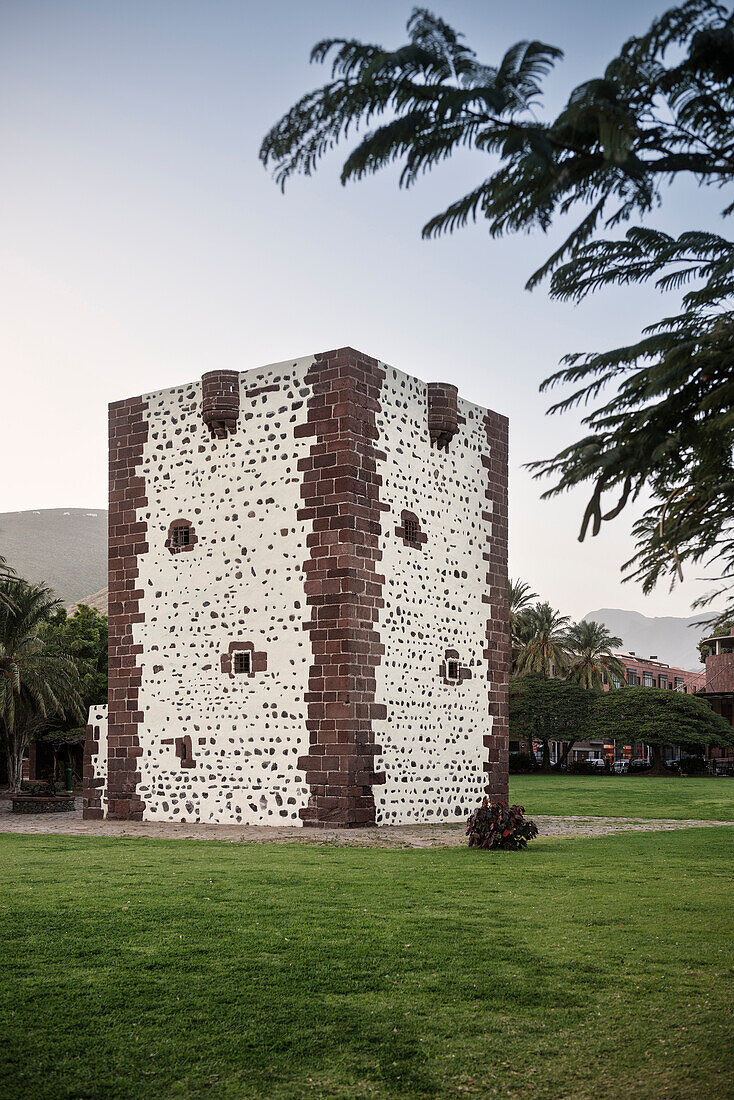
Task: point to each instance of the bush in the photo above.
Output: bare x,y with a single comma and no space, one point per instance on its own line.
693,765
497,825
42,789
584,767
521,763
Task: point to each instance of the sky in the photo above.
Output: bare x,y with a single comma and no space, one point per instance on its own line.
142,243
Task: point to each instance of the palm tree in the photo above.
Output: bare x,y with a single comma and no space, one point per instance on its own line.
37,678
6,573
542,641
592,655
520,600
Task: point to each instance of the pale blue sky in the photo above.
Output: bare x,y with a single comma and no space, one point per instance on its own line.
141,243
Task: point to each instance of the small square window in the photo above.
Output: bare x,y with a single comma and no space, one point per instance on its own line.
181,535
452,670
243,661
411,529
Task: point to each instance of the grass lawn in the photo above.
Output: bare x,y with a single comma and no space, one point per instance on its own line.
625,796
182,969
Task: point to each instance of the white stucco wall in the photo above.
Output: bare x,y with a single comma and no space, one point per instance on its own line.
242,582
432,740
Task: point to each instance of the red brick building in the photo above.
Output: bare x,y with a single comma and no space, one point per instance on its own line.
719,692
650,672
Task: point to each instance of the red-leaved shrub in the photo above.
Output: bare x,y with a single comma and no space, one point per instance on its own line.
497,825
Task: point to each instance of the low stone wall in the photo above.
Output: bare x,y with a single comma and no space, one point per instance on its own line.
42,804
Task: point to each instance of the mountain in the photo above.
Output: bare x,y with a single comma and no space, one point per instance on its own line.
670,639
64,547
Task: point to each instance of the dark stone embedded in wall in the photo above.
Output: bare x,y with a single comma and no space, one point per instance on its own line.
220,401
443,413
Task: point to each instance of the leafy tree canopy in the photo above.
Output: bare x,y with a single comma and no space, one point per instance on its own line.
659,717
83,635
661,109
549,710
38,679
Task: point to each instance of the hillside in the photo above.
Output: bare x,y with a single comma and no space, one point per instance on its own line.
65,547
672,640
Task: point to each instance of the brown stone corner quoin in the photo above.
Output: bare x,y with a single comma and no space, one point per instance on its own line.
127,541
92,788
497,653
340,493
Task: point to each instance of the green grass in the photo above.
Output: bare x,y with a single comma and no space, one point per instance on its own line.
625,796
165,969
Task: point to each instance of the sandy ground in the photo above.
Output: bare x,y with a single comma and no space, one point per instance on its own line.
445,835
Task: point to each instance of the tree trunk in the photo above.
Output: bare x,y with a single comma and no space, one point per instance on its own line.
658,767
15,767
569,745
15,748
546,767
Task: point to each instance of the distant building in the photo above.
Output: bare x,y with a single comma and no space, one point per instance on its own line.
650,672
719,692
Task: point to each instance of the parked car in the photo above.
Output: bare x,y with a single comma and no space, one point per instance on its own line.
640,765
621,767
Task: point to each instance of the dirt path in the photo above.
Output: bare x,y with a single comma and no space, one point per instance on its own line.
448,835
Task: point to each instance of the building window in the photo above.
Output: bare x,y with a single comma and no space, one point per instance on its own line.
242,659
242,662
662,681
181,536
410,530
648,680
184,752
632,680
680,684
451,670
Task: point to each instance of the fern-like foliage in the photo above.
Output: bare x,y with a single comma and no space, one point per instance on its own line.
609,151
663,107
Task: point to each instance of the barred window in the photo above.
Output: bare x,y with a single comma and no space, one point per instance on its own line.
242,661
181,534
412,530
